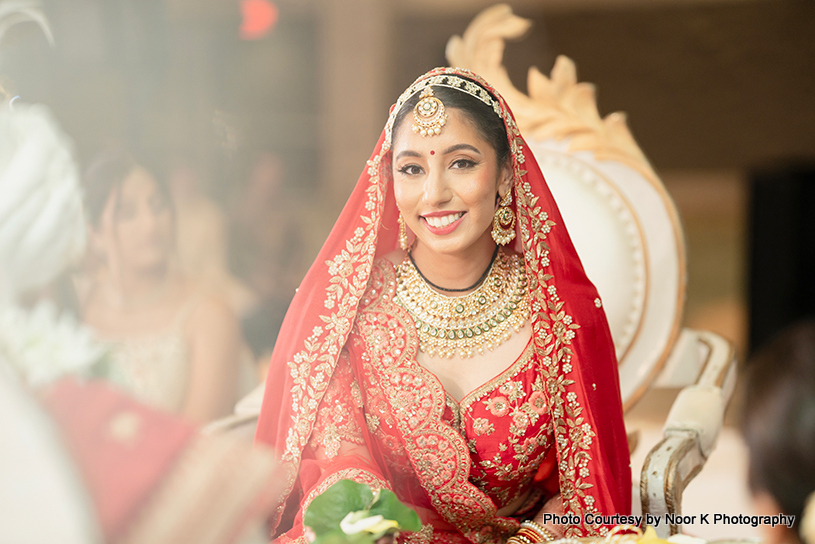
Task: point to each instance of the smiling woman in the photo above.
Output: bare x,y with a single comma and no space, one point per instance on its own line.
447,344
448,200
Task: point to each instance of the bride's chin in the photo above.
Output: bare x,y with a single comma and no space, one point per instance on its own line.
447,248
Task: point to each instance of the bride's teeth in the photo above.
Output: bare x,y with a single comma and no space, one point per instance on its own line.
439,222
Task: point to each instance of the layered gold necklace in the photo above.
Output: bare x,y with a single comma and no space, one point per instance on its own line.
473,323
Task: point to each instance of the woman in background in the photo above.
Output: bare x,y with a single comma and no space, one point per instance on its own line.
175,348
778,424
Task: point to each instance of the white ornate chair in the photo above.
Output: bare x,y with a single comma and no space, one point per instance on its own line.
627,232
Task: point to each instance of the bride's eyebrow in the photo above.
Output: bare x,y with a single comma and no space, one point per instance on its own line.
408,153
459,147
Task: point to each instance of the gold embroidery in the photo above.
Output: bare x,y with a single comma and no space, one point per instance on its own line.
336,421
439,455
356,474
553,331
524,414
349,271
423,536
529,449
483,426
519,364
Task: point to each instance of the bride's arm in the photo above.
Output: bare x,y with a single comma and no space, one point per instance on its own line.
552,506
539,529
337,448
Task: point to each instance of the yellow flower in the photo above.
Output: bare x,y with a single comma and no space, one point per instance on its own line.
650,537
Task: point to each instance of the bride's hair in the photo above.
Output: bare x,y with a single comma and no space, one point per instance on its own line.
778,419
488,123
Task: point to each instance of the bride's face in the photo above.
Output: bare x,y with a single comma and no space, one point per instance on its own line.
446,186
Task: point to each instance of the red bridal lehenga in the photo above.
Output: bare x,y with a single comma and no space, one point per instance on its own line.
346,398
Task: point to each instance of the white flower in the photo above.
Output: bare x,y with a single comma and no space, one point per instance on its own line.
43,346
357,522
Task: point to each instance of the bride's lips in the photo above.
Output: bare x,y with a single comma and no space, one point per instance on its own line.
435,222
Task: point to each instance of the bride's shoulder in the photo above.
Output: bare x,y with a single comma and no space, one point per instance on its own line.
383,276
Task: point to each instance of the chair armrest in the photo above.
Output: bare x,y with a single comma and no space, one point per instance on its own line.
691,429
243,421
667,470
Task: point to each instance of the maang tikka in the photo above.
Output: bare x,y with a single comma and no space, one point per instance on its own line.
503,222
428,115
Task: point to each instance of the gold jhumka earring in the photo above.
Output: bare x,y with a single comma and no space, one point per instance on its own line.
503,223
428,114
403,239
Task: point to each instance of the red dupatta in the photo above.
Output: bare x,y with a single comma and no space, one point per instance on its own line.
570,331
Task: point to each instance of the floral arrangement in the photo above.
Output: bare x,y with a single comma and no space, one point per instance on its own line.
42,345
352,513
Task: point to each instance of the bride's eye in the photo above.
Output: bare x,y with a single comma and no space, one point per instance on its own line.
410,170
463,163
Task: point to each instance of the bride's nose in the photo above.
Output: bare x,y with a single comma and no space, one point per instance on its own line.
436,188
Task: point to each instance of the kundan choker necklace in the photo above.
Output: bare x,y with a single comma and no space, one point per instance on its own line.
445,289
473,323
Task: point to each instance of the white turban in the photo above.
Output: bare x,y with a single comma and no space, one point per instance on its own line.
42,229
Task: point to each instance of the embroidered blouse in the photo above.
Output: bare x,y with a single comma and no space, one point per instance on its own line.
504,426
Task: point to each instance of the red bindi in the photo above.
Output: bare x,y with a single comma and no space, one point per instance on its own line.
432,152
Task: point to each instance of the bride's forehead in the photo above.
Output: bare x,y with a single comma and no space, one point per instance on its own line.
459,128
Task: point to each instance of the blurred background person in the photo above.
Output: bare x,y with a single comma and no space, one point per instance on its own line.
82,463
201,233
176,347
260,328
267,231
267,239
779,428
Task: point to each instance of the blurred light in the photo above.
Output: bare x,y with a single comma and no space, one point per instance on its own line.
259,17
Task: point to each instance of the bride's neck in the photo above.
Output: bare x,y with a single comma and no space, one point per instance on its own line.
455,270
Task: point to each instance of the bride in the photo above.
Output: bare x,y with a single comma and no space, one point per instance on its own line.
446,344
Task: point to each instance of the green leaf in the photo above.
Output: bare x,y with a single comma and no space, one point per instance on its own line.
329,508
389,506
